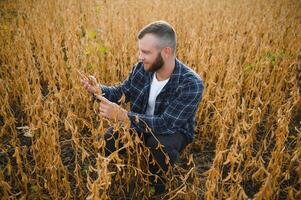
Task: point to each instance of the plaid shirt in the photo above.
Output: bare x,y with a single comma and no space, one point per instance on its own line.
175,106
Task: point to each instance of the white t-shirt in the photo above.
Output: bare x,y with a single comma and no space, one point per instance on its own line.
155,89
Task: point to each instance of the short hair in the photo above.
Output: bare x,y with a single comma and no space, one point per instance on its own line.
163,31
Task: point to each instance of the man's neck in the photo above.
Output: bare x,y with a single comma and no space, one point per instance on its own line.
166,71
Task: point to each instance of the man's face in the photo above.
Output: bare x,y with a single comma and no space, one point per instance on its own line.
149,53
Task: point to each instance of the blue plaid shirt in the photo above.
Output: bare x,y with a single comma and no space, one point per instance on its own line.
175,106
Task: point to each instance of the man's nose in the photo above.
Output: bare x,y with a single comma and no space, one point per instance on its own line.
141,57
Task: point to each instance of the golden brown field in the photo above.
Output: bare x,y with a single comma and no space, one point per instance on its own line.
248,133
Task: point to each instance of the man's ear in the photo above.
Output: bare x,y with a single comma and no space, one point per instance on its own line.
167,52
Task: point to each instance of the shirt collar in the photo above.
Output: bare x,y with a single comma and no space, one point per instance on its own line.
174,78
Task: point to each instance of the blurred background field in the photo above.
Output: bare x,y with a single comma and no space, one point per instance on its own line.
247,143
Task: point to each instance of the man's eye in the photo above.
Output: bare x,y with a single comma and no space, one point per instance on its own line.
145,52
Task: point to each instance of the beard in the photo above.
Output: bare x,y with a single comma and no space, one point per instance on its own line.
158,64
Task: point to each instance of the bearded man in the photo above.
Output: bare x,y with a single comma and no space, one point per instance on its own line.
164,95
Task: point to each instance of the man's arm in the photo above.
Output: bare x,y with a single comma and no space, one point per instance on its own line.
114,93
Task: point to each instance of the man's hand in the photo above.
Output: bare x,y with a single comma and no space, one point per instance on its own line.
111,110
90,84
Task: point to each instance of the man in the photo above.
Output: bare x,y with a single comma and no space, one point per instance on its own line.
164,95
